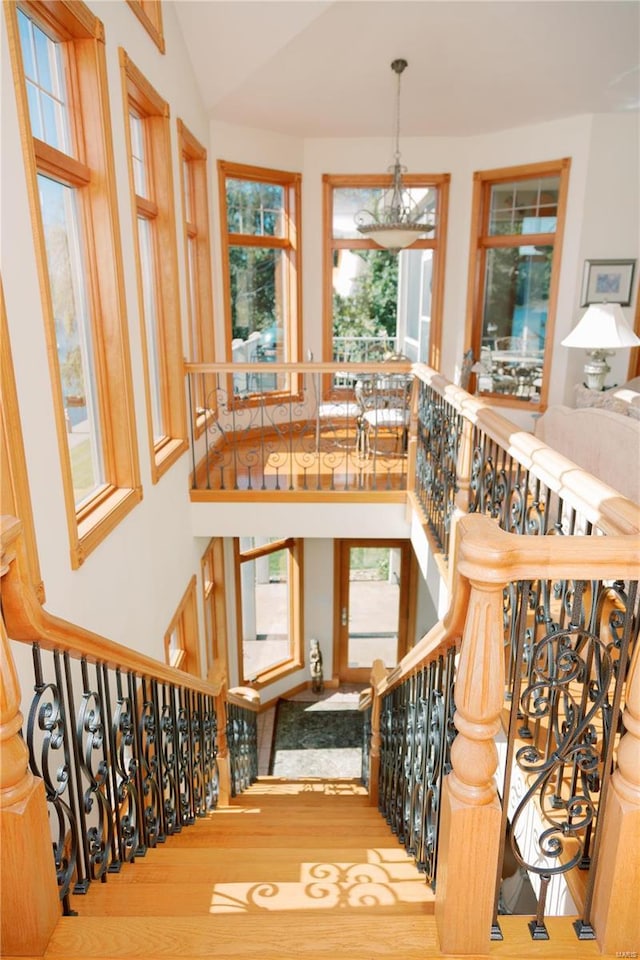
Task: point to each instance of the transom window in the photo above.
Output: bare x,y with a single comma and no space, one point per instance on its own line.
378,302
514,277
261,259
59,68
149,13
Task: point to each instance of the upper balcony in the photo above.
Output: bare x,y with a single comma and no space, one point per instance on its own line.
387,433
307,430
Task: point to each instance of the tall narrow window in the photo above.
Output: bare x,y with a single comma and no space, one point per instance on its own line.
378,302
195,215
149,143
514,269
269,607
213,595
261,260
60,71
181,637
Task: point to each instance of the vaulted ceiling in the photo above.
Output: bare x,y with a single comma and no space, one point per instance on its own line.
321,68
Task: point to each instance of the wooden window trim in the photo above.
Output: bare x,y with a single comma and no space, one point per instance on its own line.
481,242
200,305
291,244
185,623
82,37
139,95
436,242
295,661
149,13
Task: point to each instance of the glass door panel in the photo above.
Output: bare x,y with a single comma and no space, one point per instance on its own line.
373,612
374,595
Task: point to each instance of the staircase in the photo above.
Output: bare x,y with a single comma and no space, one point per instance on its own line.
291,869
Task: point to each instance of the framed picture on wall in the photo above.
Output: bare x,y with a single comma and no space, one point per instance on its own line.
607,281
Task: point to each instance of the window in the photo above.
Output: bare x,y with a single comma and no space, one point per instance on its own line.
260,212
378,302
215,631
181,639
149,13
195,214
149,144
269,608
514,269
59,67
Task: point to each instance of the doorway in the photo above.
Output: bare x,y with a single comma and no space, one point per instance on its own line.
374,613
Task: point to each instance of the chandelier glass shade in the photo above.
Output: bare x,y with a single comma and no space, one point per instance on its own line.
394,220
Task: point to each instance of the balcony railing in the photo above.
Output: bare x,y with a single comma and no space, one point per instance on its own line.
286,428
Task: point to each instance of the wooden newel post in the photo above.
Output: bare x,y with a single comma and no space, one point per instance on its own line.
224,773
616,898
29,890
378,673
470,813
463,466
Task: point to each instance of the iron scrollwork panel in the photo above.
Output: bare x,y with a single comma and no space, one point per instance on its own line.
566,697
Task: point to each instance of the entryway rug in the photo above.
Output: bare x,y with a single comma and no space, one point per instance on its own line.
316,739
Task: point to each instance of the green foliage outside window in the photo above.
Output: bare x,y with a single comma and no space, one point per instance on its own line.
371,309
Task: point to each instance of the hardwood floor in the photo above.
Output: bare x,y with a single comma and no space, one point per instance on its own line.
281,463
291,870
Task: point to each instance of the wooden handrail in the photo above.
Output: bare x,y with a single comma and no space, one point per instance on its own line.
485,552
366,366
27,621
597,501
245,697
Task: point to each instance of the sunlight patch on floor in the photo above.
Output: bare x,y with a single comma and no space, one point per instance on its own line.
327,886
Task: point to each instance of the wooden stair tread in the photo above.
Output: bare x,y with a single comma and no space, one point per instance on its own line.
165,858
224,897
328,935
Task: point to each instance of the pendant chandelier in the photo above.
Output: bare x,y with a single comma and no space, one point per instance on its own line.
393,222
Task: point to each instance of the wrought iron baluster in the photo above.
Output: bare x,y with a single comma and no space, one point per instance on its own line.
90,736
111,787
184,773
124,770
48,733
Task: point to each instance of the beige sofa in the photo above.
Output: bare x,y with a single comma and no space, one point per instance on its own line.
604,440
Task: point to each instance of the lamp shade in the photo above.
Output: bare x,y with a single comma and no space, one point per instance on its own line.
602,327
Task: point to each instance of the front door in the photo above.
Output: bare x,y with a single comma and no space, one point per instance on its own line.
374,610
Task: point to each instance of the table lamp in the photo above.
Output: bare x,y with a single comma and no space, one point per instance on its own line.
601,331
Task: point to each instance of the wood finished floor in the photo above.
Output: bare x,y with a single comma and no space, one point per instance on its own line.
291,870
336,464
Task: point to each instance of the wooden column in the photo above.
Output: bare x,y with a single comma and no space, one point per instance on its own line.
616,899
29,899
470,813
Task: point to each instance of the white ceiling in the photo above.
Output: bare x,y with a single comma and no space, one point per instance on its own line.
321,68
